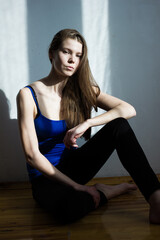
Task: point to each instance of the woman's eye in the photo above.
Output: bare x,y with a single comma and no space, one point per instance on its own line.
65,51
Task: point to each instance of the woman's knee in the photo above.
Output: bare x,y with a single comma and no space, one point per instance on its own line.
119,126
119,121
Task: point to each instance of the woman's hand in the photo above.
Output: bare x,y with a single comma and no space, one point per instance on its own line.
71,136
92,191
95,194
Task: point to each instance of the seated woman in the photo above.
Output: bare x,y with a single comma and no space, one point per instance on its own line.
54,112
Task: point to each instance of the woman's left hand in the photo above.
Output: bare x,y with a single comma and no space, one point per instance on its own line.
71,136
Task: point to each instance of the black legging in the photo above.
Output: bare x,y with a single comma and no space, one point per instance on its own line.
82,164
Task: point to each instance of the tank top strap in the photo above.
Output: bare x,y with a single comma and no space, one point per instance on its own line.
34,97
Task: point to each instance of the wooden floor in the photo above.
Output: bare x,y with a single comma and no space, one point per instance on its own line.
123,218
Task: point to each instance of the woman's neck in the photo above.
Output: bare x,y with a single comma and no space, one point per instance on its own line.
55,82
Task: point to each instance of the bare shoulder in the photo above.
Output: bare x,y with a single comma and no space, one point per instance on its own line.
38,85
25,102
23,94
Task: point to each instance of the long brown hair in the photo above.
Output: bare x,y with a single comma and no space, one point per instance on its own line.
78,95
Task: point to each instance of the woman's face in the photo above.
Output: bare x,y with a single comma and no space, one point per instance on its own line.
67,58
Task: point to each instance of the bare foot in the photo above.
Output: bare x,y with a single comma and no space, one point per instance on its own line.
154,213
115,190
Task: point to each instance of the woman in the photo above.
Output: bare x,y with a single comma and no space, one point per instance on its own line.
56,110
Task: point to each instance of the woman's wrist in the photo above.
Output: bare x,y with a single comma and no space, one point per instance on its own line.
79,187
89,122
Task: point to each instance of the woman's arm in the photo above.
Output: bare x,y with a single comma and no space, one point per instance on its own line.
114,108
26,112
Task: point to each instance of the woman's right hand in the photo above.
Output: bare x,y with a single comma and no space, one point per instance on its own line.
72,134
92,191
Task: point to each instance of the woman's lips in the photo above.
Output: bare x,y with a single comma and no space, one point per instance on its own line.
69,68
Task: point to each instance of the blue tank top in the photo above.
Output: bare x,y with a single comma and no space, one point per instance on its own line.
50,134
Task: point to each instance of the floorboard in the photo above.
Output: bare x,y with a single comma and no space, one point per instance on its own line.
122,218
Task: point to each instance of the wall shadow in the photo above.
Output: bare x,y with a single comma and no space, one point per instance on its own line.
45,19
12,162
135,67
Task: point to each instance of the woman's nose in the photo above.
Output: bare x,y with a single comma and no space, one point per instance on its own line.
71,59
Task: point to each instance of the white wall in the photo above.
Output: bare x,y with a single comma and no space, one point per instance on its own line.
124,52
